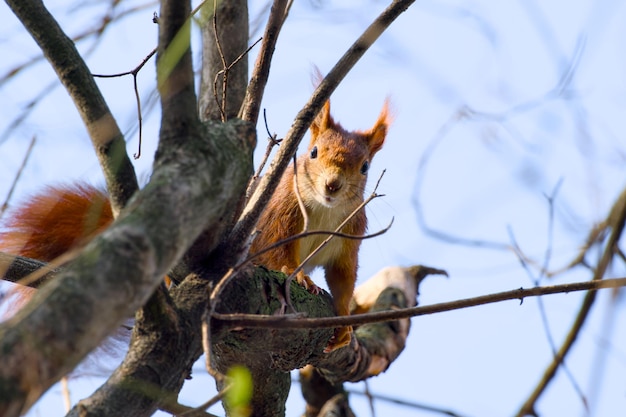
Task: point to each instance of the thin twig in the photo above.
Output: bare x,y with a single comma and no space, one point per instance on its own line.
596,234
65,393
212,401
406,403
290,322
224,73
271,142
231,272
222,105
5,205
312,233
370,398
542,310
225,66
27,109
301,206
134,73
465,112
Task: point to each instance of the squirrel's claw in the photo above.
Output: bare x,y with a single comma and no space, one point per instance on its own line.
303,280
307,283
340,339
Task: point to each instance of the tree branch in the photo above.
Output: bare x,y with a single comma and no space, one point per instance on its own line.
287,322
26,271
254,93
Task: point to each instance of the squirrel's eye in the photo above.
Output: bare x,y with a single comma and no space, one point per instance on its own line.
365,167
314,152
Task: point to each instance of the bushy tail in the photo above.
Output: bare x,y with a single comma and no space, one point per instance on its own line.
56,220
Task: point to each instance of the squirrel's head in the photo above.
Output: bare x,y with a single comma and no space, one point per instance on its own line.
337,162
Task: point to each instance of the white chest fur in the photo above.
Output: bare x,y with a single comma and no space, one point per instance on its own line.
325,219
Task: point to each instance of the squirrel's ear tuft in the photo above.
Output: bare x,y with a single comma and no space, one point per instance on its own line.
322,121
377,134
316,76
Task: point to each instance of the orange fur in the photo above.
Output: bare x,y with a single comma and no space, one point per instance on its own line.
55,221
331,184
49,224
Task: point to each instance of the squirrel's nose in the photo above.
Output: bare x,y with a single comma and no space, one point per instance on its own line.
333,185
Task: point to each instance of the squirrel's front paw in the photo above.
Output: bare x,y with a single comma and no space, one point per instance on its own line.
307,283
340,339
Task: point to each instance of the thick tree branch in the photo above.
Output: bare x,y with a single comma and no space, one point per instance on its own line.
72,71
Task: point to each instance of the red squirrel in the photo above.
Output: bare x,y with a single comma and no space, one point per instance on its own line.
331,179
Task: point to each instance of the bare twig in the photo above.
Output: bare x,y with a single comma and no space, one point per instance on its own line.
438,138
134,73
315,232
406,403
291,322
65,392
272,141
192,412
224,73
370,398
178,410
5,205
596,235
301,206
27,109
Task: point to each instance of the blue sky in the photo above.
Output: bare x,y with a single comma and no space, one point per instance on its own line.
482,134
